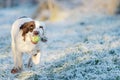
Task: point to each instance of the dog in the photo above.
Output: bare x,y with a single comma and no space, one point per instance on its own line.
21,32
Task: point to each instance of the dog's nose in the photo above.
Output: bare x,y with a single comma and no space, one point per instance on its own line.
36,32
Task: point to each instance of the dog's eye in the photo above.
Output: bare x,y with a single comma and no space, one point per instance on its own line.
40,26
31,27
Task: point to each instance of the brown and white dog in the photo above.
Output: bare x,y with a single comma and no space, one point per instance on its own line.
22,31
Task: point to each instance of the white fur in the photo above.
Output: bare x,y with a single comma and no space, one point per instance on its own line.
36,58
19,46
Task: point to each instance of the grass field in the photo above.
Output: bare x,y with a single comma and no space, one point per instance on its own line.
82,47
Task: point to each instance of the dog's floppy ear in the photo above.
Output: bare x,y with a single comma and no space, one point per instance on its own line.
24,29
22,26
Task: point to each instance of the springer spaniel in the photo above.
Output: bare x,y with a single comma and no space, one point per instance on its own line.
22,31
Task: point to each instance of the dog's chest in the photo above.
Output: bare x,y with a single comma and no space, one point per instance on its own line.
24,46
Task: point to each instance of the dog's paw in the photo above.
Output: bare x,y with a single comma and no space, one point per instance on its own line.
16,70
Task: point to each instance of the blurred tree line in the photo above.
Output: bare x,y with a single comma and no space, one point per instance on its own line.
59,9
12,3
54,10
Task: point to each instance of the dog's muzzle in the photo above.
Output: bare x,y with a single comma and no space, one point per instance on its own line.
36,32
43,39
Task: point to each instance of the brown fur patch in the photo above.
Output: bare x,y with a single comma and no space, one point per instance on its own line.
27,27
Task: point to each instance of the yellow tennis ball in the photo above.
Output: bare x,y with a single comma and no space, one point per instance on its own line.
35,39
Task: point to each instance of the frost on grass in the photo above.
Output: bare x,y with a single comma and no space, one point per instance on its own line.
86,49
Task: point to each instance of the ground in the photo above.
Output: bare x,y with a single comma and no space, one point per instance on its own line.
82,47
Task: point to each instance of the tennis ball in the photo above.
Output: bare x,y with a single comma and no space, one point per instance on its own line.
35,39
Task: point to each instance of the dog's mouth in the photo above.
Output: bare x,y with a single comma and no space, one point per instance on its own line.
37,38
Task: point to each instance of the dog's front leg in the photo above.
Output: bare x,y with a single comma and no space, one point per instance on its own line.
35,58
17,62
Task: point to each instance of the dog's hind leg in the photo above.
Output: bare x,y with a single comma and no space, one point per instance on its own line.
29,65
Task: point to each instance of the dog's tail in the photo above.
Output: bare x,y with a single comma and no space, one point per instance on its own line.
36,58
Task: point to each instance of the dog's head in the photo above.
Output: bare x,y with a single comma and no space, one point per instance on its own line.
34,28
